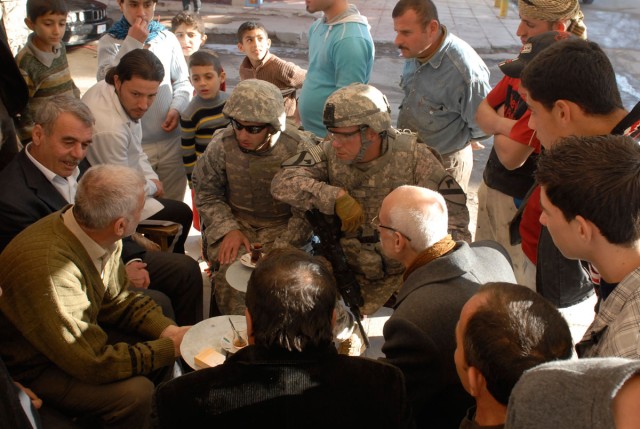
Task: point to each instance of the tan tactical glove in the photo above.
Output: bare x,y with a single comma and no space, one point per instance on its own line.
350,213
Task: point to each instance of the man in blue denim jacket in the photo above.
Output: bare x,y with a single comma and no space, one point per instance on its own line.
444,81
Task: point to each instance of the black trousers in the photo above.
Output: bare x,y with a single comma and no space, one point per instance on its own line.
178,212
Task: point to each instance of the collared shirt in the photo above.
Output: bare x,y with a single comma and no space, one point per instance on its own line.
117,139
616,328
67,186
441,95
97,253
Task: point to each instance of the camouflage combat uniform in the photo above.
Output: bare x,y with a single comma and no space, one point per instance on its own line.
232,193
312,179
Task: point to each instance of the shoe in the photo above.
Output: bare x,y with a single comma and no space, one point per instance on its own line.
147,244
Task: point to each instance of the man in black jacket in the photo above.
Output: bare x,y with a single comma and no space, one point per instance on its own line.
290,374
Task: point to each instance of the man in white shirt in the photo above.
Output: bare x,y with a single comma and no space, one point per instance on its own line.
118,103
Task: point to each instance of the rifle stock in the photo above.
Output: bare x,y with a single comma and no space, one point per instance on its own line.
327,229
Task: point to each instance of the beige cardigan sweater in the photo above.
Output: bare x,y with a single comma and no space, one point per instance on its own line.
55,302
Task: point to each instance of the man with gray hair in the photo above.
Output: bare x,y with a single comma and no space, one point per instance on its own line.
440,276
53,330
43,178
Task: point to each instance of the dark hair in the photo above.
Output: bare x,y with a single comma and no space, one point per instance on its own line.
514,330
38,8
189,19
141,63
291,297
598,178
575,70
248,26
205,57
425,9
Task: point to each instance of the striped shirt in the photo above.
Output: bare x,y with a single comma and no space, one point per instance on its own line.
47,75
198,123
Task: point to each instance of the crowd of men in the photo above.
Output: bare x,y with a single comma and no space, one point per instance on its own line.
92,321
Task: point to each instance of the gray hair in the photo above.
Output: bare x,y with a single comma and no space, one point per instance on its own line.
424,223
49,112
107,192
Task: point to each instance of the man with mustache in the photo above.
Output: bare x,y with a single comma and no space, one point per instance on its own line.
444,81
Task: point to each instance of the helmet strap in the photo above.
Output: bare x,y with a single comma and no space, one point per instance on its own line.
364,145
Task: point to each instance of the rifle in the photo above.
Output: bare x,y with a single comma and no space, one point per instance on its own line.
327,229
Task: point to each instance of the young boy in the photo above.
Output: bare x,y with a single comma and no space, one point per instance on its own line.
204,115
43,60
189,29
254,42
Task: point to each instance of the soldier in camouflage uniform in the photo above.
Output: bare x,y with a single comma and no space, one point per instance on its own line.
232,179
349,174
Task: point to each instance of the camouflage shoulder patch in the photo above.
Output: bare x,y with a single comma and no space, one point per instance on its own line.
308,158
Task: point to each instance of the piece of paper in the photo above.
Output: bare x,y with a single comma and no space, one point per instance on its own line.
151,207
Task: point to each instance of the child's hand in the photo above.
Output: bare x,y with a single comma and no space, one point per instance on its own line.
171,121
139,30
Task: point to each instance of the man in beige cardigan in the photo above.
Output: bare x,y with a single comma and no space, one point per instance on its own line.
64,283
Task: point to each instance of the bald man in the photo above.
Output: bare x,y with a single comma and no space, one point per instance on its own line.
440,276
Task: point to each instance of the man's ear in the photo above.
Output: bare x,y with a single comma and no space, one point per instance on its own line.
37,134
477,382
586,229
559,26
29,24
223,77
204,38
240,47
400,243
563,110
268,43
120,226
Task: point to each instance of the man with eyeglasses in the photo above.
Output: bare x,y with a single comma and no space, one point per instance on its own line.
440,275
363,159
232,181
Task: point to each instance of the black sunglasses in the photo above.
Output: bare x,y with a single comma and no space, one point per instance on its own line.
251,129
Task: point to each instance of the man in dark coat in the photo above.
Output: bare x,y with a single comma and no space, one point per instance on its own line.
440,276
290,374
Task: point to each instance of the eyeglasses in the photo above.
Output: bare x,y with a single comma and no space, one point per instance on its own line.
347,135
375,222
251,129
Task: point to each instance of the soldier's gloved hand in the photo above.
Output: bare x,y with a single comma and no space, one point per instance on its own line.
350,213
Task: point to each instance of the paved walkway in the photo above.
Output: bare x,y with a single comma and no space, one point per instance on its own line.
476,21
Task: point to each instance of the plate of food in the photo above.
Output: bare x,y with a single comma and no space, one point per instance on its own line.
246,260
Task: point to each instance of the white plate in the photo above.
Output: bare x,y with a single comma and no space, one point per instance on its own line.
246,260
226,341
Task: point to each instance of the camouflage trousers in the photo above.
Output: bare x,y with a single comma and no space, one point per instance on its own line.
377,292
230,300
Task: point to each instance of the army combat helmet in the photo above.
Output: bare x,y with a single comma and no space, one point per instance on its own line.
254,100
357,105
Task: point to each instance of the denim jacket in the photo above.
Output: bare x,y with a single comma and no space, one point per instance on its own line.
443,94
